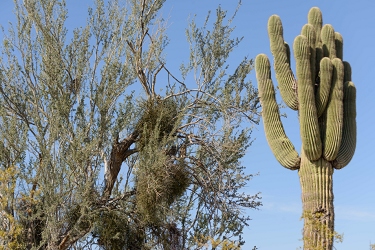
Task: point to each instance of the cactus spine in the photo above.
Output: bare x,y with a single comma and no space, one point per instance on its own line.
325,97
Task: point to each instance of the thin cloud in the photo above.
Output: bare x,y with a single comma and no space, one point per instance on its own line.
292,207
354,214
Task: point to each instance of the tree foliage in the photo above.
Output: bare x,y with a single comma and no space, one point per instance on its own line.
102,144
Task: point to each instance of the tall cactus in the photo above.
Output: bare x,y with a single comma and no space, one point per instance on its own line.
324,96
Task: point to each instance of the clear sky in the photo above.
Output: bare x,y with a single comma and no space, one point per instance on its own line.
277,224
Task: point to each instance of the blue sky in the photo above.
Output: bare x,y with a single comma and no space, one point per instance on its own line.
277,224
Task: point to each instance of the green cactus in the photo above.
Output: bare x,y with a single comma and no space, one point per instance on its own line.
325,97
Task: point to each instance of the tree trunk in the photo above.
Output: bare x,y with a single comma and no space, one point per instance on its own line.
317,200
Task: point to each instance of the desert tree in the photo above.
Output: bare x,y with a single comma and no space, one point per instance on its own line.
101,143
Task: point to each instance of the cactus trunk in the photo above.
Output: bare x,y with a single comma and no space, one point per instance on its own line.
317,199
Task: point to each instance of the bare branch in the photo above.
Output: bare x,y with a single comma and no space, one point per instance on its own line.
120,151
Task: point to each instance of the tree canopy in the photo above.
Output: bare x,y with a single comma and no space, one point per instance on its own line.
102,144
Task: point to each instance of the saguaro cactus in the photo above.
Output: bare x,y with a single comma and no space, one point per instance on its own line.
324,97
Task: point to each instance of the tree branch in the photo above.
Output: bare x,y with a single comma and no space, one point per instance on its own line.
120,151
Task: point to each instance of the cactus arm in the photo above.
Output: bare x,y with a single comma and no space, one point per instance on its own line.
334,116
339,43
328,40
309,32
284,74
324,86
349,132
279,143
316,20
348,72
348,142
309,127
287,48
